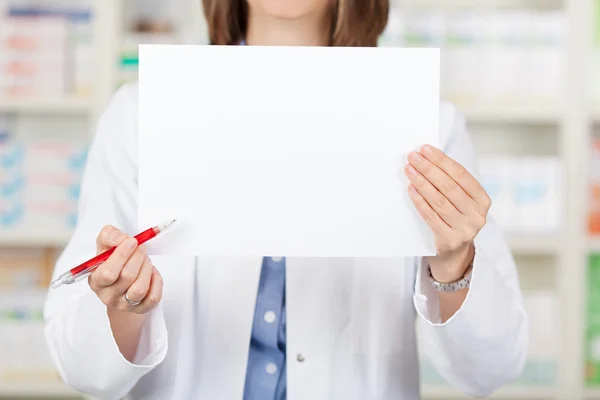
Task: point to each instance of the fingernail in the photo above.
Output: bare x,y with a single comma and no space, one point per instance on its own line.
415,157
411,171
412,189
131,243
427,149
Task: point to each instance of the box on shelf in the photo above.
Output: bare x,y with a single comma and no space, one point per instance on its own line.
525,192
24,279
592,329
45,51
518,53
541,368
4,129
39,185
81,57
462,53
594,188
595,54
23,270
25,359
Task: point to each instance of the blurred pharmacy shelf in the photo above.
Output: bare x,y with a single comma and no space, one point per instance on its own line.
594,244
30,391
510,393
568,247
595,111
27,238
483,3
46,106
592,394
534,244
530,114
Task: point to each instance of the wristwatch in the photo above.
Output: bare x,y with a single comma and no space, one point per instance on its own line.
456,286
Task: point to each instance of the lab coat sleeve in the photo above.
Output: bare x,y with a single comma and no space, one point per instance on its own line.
77,328
484,345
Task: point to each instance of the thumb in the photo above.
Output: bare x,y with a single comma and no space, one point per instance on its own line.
109,237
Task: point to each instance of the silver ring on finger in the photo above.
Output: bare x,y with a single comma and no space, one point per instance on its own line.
133,303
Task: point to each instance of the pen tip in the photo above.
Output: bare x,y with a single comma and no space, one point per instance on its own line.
166,225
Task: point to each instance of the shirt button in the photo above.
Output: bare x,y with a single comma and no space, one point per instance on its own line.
270,317
276,259
271,368
300,358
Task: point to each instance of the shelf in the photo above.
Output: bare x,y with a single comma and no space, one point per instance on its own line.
594,244
517,113
484,3
592,394
46,106
521,393
45,390
534,244
32,239
595,113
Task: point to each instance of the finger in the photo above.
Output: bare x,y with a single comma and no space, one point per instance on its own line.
108,272
443,183
154,295
435,222
108,238
457,172
129,273
138,290
437,201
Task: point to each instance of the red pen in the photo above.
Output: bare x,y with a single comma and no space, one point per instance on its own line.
81,271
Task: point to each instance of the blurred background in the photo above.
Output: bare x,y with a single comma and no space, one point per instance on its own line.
526,73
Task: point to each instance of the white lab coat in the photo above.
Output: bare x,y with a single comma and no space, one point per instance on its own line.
351,320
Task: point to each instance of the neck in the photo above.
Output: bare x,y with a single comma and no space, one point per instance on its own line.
265,30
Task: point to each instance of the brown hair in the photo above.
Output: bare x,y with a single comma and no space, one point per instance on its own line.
356,23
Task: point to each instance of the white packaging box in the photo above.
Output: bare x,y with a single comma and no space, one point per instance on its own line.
544,342
54,156
595,79
546,56
525,192
35,63
4,131
495,175
461,57
24,356
503,59
424,27
82,57
536,189
594,62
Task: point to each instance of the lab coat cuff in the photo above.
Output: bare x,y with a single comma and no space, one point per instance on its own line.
483,279
152,348
426,298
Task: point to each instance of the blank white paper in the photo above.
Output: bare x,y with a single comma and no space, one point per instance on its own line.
284,151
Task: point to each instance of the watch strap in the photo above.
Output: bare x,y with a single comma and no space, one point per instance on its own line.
456,286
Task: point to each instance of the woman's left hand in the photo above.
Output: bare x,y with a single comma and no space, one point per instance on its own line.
454,205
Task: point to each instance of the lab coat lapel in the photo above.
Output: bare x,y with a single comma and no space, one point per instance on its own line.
229,325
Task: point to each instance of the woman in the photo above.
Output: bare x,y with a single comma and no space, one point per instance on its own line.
218,328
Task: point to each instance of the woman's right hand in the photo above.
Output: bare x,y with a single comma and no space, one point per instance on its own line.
128,271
